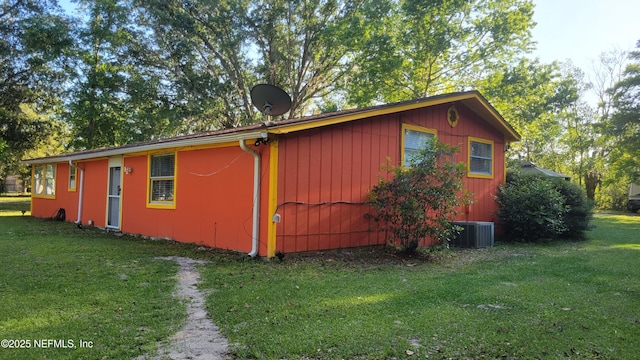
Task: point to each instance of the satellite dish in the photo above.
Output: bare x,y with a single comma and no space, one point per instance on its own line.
270,99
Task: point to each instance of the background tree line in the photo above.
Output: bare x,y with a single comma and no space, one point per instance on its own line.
119,71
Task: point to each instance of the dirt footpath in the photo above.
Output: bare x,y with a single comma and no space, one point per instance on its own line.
200,338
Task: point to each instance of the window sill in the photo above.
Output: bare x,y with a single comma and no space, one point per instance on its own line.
49,197
480,176
161,205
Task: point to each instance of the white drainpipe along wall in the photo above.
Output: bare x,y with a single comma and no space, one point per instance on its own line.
80,191
255,236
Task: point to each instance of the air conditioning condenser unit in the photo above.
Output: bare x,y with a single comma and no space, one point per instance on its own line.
474,234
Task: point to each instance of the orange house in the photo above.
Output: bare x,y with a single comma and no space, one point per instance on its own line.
293,185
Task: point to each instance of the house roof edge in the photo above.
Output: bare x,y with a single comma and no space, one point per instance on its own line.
186,141
472,99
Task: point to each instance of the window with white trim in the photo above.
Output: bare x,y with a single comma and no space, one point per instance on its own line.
162,178
414,138
480,158
44,180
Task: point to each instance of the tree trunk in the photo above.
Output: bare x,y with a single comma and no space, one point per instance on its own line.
591,181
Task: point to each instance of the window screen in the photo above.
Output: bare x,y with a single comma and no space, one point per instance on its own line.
162,178
72,178
480,158
414,141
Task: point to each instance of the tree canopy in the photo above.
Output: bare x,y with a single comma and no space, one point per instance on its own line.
625,122
144,69
415,48
33,44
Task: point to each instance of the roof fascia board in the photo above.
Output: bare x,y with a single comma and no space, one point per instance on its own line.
311,124
473,99
206,140
495,119
491,115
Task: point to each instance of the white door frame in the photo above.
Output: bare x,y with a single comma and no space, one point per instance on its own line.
113,217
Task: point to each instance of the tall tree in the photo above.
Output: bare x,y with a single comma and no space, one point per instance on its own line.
118,95
217,52
606,72
531,95
33,43
98,111
584,148
202,47
305,46
208,56
416,48
625,121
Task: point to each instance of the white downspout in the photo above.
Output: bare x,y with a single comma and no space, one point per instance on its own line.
256,198
80,192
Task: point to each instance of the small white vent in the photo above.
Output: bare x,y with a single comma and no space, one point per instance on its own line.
474,234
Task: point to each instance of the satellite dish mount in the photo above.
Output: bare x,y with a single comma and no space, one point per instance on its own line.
270,99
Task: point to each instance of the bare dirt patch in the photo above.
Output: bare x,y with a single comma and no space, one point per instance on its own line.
200,338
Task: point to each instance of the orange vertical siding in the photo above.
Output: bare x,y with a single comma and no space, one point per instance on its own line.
470,124
325,175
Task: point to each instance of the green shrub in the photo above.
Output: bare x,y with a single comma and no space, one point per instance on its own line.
613,196
580,209
530,208
537,207
419,202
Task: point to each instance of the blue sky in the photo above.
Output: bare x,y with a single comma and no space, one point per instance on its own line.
581,29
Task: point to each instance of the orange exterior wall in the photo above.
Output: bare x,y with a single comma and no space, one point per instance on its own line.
95,191
470,124
95,198
45,207
214,199
324,175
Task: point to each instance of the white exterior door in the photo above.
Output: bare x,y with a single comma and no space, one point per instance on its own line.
114,193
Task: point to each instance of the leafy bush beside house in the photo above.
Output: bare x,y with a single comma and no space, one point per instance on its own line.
579,213
420,201
530,209
536,208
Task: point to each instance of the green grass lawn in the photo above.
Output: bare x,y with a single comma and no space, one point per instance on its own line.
562,300
58,282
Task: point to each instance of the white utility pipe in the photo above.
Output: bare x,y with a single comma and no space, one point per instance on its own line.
80,192
256,199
